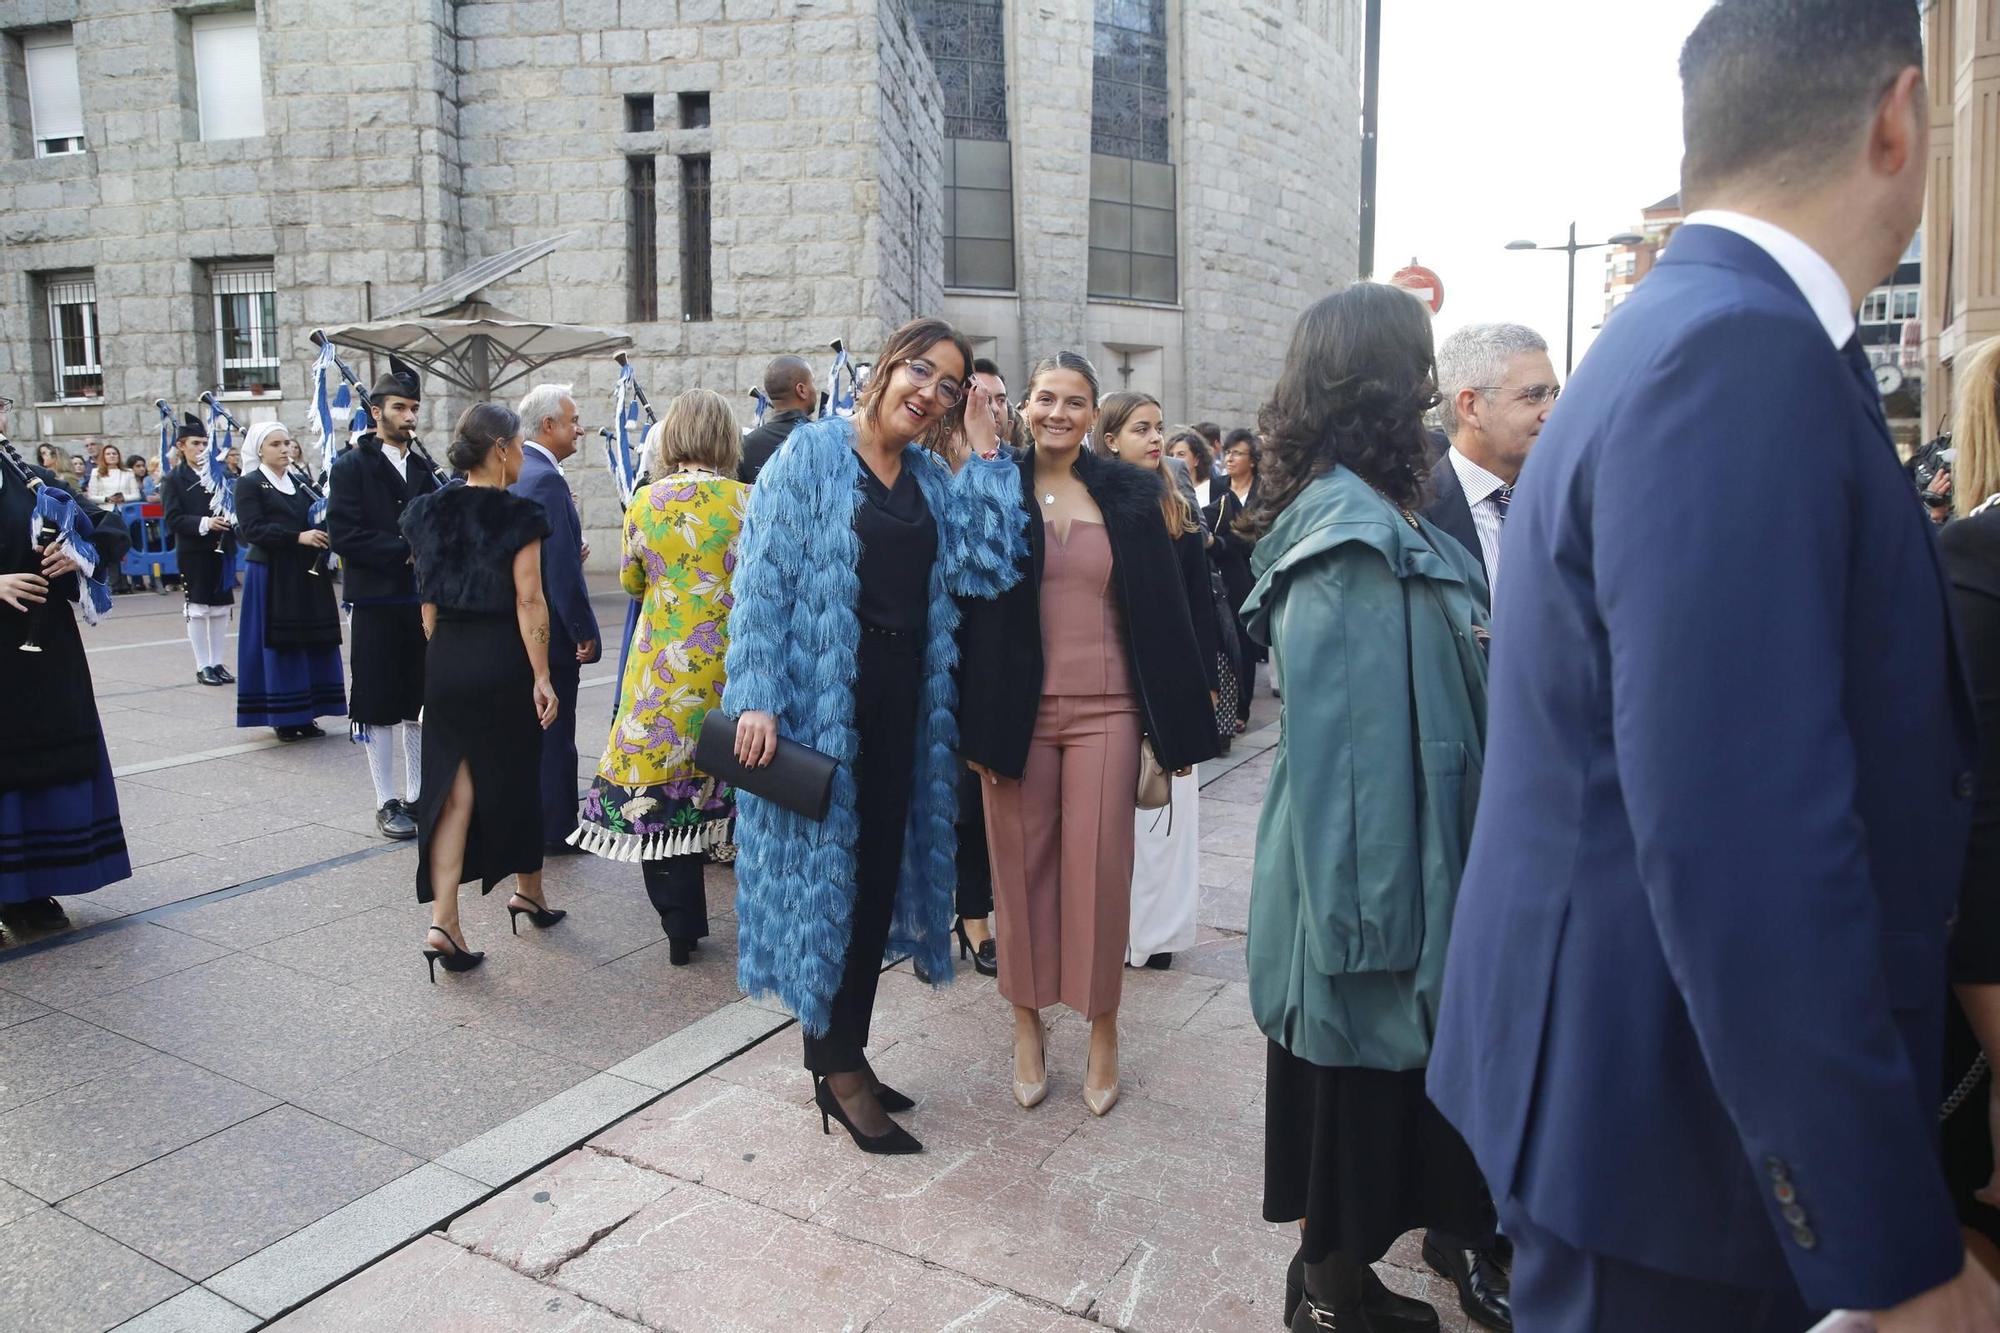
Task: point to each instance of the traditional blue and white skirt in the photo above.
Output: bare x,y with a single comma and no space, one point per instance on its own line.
62,840
281,687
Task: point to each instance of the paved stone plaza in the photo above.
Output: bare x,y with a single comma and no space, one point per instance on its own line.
231,1088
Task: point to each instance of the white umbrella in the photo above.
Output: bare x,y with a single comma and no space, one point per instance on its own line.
470,343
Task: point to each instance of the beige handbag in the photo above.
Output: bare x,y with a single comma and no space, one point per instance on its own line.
1156,785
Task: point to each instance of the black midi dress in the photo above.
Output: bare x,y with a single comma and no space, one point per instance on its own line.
479,705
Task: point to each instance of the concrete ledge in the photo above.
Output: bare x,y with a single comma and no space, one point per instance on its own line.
701,1045
542,1132
196,1310
307,1261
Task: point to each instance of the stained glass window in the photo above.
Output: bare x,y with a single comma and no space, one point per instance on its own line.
1128,113
968,47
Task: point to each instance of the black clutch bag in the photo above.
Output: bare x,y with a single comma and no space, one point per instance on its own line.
799,778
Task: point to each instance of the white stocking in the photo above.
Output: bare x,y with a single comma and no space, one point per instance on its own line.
218,634
381,764
413,759
198,640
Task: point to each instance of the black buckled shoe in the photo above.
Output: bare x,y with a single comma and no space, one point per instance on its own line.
1484,1290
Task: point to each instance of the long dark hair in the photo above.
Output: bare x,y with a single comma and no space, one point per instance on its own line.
1357,381
908,344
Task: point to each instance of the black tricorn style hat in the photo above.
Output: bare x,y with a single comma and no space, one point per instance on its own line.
400,382
191,427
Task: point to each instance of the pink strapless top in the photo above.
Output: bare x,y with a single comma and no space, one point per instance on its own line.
1083,639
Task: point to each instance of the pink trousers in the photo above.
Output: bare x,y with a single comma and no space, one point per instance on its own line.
1061,845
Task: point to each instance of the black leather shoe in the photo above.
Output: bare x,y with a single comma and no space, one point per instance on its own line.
394,824
33,914
210,676
1160,962
222,676
1484,1292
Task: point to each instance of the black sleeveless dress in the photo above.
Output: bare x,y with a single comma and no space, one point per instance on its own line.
479,705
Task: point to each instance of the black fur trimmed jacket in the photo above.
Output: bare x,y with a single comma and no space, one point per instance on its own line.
1000,641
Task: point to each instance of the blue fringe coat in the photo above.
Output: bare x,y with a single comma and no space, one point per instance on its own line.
794,637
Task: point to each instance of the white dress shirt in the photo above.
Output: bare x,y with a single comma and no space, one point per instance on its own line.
280,481
1201,493
1479,486
1805,266
541,449
399,459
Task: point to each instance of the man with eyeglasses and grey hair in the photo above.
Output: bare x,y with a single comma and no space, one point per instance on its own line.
1496,385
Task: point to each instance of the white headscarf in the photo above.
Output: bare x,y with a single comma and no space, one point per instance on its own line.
253,450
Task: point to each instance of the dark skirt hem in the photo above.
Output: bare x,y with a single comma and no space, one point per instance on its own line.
62,840
1363,1157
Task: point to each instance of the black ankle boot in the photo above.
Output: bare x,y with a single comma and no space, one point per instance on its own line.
1331,1299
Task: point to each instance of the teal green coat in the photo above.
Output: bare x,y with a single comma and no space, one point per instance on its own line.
1369,811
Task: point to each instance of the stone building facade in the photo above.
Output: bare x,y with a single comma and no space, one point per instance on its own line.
190,190
1961,279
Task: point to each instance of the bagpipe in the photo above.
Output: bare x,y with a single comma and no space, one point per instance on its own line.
628,401
836,400
315,516
214,475
367,405
54,520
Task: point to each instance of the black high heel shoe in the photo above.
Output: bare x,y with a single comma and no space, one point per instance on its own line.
896,1142
680,952
891,1100
455,959
538,916
985,958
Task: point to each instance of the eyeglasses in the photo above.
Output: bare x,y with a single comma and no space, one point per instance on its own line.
922,374
1537,394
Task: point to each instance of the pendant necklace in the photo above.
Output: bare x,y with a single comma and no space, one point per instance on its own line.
1049,498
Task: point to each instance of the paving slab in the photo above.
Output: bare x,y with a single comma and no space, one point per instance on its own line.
430,1098
539,1133
196,1310
441,1288
202,1208
56,1051
62,1277
266,1025
560,1211
70,1140
285,1274
85,969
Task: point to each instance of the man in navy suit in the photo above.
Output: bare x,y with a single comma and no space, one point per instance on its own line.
549,425
1694,998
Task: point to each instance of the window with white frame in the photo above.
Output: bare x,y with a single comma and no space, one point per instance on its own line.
246,325
228,75
73,356
1875,307
55,107
1906,302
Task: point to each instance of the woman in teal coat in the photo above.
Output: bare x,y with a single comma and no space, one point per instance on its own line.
1377,620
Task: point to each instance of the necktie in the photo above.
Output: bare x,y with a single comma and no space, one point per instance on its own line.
1501,499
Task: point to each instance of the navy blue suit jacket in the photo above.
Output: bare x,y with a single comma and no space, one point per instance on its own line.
570,616
1694,998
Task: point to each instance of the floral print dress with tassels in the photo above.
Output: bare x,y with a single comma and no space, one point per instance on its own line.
648,800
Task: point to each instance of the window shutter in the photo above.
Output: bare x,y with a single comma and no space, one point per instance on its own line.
229,76
55,106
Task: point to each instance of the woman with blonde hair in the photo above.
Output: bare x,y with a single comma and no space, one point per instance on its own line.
648,802
1971,545
1166,865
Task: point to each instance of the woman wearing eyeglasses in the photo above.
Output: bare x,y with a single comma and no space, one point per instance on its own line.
858,537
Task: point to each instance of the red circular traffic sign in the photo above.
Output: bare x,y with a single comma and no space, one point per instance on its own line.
1423,282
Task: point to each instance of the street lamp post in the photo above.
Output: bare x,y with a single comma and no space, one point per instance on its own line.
1570,248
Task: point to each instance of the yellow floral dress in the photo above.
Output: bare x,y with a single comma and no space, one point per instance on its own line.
648,800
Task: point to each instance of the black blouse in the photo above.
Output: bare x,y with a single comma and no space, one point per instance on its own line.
899,542
463,540
1972,558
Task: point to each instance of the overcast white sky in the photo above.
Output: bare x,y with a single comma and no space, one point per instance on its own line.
1501,121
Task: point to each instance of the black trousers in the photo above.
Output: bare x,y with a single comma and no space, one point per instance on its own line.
886,689
975,870
675,888
558,763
